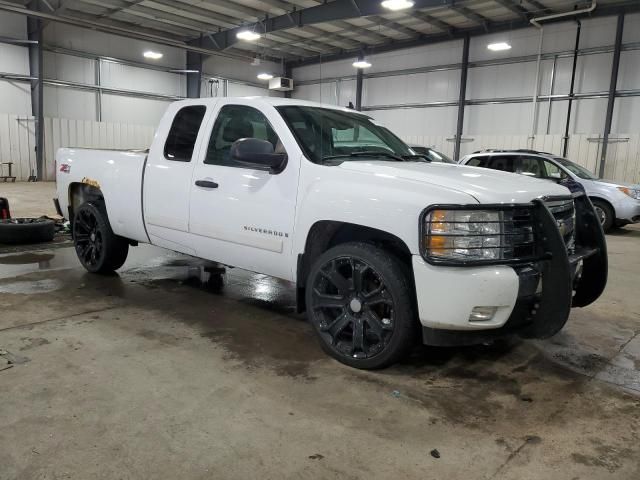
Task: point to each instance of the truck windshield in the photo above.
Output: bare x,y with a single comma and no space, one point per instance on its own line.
328,136
576,169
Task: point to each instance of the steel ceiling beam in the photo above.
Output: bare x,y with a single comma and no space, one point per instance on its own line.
114,28
459,33
336,11
515,7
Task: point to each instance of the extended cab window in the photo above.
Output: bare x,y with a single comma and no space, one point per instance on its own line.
184,132
233,123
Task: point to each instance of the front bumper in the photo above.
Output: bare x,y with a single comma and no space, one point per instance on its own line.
533,299
628,210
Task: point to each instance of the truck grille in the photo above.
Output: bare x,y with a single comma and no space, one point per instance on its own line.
565,214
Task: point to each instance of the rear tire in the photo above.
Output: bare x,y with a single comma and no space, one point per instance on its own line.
98,248
360,303
26,230
605,214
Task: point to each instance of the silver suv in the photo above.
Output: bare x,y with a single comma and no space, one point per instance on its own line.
616,203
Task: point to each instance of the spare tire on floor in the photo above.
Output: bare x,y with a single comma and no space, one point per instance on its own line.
26,230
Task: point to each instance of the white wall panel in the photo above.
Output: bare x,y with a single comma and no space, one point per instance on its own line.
593,73
318,92
70,68
69,103
123,109
417,122
242,90
15,97
105,44
508,119
17,142
126,77
626,115
13,25
238,69
629,72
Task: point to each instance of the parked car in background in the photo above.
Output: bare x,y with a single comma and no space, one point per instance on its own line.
431,154
616,203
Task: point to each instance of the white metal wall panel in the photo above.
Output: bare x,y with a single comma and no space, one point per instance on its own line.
105,44
17,143
418,122
69,103
126,77
123,109
69,67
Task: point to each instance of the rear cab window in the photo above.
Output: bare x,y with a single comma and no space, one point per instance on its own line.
183,134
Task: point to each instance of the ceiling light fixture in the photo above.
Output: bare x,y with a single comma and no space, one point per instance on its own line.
498,47
395,5
248,35
152,55
361,63
265,76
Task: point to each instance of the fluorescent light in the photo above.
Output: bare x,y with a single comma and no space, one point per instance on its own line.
361,63
152,55
265,76
248,35
396,5
497,47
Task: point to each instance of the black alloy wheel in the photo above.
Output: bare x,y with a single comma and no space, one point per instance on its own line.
98,248
359,304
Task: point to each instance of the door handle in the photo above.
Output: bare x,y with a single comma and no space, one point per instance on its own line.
206,184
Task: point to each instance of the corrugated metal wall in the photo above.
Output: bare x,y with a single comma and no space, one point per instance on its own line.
17,140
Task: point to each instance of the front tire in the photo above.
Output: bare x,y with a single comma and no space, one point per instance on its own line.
605,214
98,248
361,306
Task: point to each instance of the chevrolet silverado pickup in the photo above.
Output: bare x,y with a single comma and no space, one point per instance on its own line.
385,247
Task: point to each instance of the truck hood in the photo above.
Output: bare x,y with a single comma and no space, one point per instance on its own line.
485,185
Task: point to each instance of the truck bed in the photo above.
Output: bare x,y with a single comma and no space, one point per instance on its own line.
118,174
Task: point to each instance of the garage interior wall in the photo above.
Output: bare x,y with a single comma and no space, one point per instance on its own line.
415,92
123,113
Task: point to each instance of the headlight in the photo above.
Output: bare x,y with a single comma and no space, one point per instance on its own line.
467,236
631,192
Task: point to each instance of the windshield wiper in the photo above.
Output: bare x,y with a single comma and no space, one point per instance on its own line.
392,156
417,155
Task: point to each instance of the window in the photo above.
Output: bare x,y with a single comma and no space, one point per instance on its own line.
183,134
500,162
530,166
553,171
326,134
233,123
478,161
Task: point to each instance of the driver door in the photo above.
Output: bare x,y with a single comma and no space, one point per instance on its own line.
241,216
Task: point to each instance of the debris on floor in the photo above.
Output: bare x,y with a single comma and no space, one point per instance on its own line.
8,359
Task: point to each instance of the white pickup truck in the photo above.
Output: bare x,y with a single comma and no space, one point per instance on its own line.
385,247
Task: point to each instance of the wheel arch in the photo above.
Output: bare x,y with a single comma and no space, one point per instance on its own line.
79,193
325,234
604,200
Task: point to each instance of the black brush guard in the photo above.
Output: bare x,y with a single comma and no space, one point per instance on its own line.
569,280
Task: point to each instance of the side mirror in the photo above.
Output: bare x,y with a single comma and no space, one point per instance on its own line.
258,154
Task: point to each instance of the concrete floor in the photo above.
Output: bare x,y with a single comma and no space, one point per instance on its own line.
151,373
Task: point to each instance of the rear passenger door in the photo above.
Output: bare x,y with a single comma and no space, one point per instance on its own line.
167,177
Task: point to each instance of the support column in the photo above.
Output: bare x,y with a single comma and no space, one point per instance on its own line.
288,73
359,82
463,96
194,80
36,65
565,147
612,93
